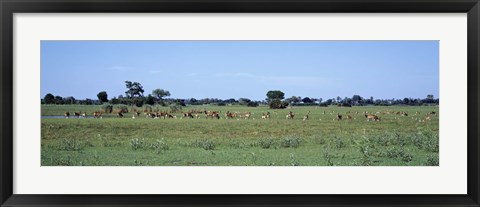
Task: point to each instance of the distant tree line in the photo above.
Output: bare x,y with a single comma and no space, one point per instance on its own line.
134,95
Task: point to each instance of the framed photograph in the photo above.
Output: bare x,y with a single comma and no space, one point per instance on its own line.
239,103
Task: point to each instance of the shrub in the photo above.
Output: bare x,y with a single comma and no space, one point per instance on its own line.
367,155
205,144
277,104
266,143
107,108
160,146
121,108
395,152
292,142
339,143
252,104
407,157
71,145
432,160
148,108
174,108
426,141
137,143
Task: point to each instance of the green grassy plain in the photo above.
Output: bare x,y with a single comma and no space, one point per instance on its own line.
320,141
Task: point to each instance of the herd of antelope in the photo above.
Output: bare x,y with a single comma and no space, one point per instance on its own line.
196,114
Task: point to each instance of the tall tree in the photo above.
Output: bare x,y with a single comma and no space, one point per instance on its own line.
160,93
49,99
307,100
102,97
271,95
134,89
59,100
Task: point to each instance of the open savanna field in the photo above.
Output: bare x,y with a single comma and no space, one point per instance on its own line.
322,140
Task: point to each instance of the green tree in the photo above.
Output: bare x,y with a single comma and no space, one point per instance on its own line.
133,89
150,100
49,99
275,95
59,100
102,97
277,104
294,99
160,93
70,100
244,101
307,100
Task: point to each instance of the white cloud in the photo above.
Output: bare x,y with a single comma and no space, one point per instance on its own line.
118,68
155,71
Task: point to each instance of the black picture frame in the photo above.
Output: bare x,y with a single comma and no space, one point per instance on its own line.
9,7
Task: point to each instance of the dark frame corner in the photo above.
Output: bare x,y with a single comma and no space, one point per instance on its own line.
9,7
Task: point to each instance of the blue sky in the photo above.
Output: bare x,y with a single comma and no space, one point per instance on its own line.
242,69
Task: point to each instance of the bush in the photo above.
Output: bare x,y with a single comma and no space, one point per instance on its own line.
277,104
432,160
292,142
395,152
137,143
266,143
71,145
148,108
174,108
121,108
408,157
160,146
252,104
339,143
426,141
367,155
344,105
107,108
205,144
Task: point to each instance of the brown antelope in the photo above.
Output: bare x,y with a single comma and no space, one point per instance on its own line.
97,114
230,115
76,114
305,117
212,114
147,115
120,115
371,117
339,117
188,115
290,115
247,115
67,115
266,115
428,118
